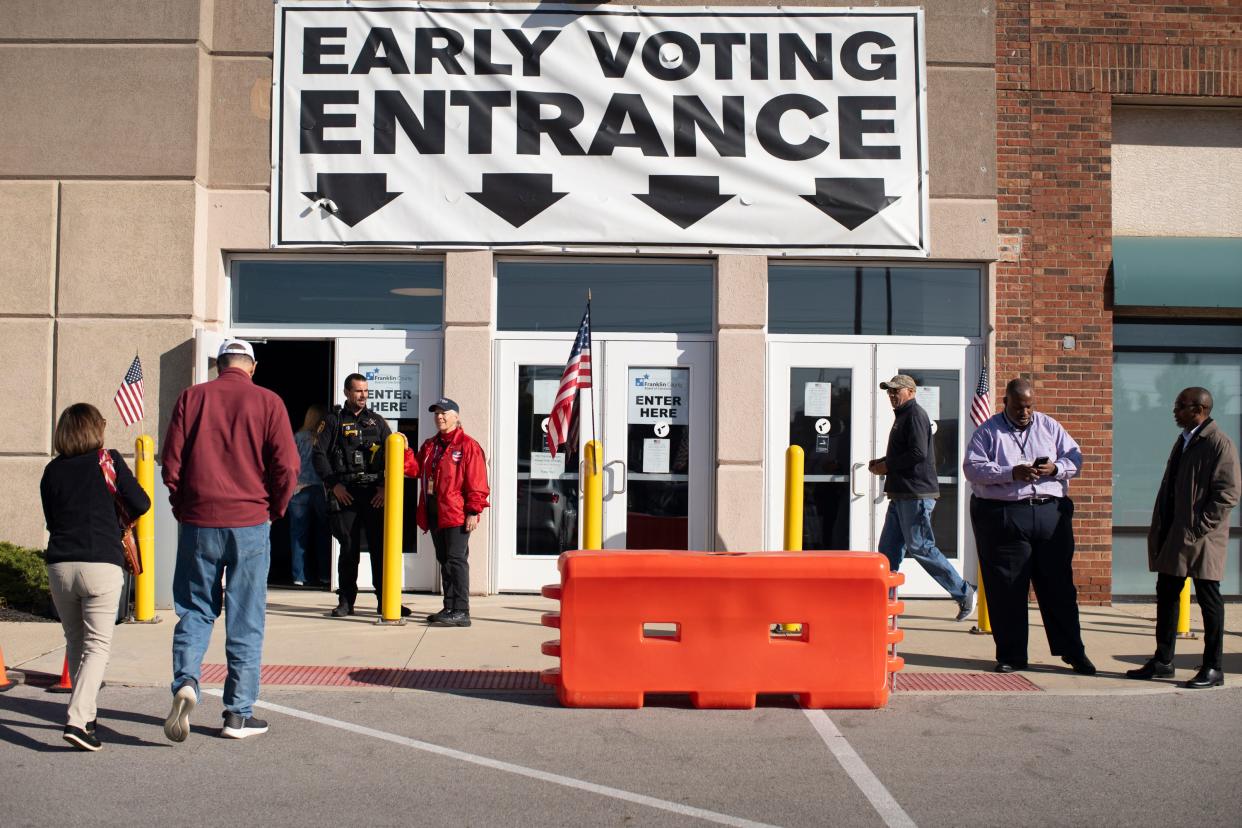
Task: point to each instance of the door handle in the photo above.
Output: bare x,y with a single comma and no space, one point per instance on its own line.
854,480
612,473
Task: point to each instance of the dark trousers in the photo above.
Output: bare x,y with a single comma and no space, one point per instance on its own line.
1021,544
1168,591
349,526
452,547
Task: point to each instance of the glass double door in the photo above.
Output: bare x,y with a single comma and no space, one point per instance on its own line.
825,398
651,405
403,378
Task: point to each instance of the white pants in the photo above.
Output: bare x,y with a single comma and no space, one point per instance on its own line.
86,597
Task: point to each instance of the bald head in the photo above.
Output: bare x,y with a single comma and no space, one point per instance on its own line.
1020,402
1192,407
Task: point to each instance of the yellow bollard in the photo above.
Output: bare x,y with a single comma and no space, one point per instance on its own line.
144,584
795,467
984,627
394,519
1183,612
593,496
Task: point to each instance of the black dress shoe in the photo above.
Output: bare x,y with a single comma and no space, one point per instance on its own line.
436,616
1006,667
1206,677
342,610
1152,669
1080,664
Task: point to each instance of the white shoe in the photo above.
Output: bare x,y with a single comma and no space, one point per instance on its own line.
236,727
177,725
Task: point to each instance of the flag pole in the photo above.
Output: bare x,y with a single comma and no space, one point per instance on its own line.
591,345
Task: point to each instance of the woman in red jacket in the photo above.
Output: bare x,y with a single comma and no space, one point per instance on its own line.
453,473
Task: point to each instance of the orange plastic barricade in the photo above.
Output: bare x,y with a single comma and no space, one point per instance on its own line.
635,622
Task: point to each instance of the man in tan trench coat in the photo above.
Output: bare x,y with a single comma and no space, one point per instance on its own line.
1189,535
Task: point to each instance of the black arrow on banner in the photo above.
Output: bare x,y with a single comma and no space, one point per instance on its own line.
683,199
517,197
850,201
355,195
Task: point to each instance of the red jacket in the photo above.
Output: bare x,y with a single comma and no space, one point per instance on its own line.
229,459
460,479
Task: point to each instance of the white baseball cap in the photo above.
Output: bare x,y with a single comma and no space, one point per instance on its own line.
236,346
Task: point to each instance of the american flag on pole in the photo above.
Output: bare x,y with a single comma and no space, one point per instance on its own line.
577,375
981,405
128,397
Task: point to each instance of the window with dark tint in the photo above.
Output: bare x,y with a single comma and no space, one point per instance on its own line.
330,292
875,300
674,297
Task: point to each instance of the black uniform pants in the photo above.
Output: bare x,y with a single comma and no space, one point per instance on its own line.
1168,591
452,547
349,525
1020,544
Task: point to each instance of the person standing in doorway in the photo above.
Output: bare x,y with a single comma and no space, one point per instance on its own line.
230,466
909,466
1019,464
453,473
308,511
1189,535
84,554
349,457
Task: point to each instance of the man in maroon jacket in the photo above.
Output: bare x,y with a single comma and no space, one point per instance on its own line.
230,465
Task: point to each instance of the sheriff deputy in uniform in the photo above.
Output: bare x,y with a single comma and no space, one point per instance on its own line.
349,456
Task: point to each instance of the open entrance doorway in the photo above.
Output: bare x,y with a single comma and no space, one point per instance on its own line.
299,371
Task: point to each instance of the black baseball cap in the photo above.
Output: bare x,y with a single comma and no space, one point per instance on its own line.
444,404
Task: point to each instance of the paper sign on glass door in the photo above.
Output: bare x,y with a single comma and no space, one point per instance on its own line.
543,466
655,456
928,397
545,395
817,399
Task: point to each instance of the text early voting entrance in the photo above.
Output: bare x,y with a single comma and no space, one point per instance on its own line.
825,397
654,417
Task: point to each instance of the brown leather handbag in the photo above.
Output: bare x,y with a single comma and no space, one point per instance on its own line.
129,543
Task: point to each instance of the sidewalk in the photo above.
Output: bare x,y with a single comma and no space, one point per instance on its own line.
506,635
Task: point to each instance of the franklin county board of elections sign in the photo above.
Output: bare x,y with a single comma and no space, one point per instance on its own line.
562,127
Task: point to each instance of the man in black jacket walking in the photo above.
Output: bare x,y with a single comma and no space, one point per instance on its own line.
910,468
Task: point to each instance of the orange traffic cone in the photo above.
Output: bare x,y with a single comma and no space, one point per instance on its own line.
5,684
66,684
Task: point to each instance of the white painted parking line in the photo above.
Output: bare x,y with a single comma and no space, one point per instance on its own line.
889,810
509,767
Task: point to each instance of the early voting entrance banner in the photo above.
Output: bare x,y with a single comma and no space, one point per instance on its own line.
551,126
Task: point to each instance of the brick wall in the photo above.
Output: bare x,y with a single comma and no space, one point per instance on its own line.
1059,66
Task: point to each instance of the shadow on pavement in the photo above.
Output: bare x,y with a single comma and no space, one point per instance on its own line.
50,716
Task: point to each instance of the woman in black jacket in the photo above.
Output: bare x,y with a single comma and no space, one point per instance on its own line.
84,554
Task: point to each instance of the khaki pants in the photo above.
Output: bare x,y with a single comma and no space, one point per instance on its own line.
86,597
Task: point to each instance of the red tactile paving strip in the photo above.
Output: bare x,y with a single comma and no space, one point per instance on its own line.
278,674
974,682
528,680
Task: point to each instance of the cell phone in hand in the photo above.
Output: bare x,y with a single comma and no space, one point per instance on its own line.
1039,461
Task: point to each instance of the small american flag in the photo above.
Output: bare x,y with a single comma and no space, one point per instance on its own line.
577,375
128,397
981,405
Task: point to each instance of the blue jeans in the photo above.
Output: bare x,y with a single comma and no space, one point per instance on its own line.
308,516
205,556
908,531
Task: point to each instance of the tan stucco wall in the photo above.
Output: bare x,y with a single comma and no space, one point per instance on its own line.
1177,171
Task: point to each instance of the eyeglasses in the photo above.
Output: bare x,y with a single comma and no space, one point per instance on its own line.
1179,404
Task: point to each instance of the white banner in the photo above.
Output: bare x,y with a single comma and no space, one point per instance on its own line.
687,128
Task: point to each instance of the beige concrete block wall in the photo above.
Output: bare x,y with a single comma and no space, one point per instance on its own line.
1177,171
468,313
27,247
21,510
26,370
741,349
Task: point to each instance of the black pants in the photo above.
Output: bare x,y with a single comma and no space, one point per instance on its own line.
1168,591
349,526
452,547
1021,544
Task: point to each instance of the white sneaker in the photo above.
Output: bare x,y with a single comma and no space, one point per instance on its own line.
177,725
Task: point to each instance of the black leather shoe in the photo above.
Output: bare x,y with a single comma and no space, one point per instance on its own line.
342,610
1152,669
1080,664
1006,667
455,618
1206,677
436,616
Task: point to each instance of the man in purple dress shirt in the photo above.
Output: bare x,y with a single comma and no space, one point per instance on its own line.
1019,464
